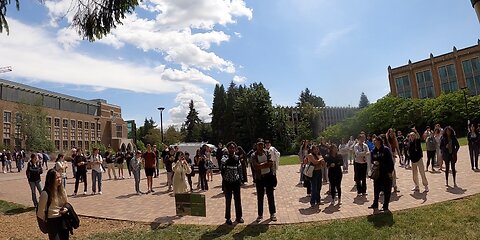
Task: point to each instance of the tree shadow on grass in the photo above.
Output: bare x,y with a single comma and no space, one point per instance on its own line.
163,222
380,220
16,211
252,231
220,231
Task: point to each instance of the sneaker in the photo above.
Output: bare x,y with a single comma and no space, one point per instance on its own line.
152,190
273,217
100,193
139,193
259,219
415,189
239,220
93,193
426,189
84,193
74,194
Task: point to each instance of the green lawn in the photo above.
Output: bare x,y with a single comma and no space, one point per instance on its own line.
289,160
451,220
8,208
462,141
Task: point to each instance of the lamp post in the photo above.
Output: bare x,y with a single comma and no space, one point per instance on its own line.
466,105
96,129
161,121
476,6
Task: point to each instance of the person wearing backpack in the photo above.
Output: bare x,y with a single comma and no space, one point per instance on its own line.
232,178
51,207
34,170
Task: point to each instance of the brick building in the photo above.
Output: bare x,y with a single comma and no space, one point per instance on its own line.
71,121
428,78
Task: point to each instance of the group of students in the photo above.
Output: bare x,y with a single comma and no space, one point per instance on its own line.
375,157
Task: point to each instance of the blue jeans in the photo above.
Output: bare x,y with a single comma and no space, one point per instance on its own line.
136,175
19,165
302,167
64,182
316,184
96,175
38,186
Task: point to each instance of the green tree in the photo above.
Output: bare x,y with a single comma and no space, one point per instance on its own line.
363,101
219,106
145,129
34,128
307,97
172,136
282,131
93,19
154,136
192,124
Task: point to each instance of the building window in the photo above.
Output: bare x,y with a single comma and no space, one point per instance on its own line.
57,122
18,118
65,145
49,121
80,135
6,130
92,126
448,78
92,136
65,123
72,135
73,124
86,135
471,69
119,131
57,145
425,84
80,124
64,135
56,134
87,145
18,133
72,144
403,87
6,142
7,117
80,144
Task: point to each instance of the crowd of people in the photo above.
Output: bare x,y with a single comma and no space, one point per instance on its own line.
371,156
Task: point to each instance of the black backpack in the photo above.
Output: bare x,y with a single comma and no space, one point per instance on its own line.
71,218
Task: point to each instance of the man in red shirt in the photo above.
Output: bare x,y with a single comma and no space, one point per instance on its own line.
149,163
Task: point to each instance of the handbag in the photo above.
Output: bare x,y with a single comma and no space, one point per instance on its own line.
42,224
308,170
375,173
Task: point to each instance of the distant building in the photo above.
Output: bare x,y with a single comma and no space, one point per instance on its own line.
72,122
431,77
329,115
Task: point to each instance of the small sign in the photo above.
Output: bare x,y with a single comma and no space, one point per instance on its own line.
192,204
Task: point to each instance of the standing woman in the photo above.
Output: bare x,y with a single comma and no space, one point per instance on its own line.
416,156
449,147
334,163
243,160
136,165
318,162
61,167
437,134
473,141
54,194
343,150
34,169
302,153
382,160
180,169
81,164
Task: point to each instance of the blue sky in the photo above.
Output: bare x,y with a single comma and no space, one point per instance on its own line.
171,51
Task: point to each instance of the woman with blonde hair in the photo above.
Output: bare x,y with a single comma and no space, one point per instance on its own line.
181,168
51,207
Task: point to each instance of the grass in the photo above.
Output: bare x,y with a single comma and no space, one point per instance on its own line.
289,160
8,208
458,219
462,141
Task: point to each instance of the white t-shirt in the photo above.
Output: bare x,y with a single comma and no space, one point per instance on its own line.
262,159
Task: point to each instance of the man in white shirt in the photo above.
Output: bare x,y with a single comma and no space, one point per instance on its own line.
275,155
96,161
360,165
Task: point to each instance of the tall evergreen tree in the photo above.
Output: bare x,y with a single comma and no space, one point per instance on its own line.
229,115
192,125
363,101
307,97
148,125
219,106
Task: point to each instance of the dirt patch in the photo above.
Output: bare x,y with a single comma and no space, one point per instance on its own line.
24,226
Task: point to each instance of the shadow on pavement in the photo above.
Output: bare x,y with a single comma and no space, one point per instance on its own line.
305,199
381,219
251,231
419,196
331,209
360,200
456,190
310,210
220,231
395,197
16,211
126,196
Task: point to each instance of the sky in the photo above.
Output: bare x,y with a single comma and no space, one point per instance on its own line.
169,52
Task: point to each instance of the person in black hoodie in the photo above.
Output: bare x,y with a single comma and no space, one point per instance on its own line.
381,157
334,164
473,141
232,177
34,170
449,147
81,164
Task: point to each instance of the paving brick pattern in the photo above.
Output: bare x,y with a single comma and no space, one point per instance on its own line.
119,201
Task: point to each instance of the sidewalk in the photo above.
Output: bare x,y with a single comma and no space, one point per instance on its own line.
119,201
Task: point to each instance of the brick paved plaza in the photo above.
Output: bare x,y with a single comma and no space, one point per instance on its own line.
119,201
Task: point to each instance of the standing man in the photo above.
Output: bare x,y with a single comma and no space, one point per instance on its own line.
219,155
81,164
231,168
360,165
416,156
149,163
274,153
266,181
110,163
96,161
157,161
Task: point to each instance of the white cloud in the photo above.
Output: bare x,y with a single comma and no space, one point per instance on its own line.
239,79
331,38
179,113
68,37
52,63
239,35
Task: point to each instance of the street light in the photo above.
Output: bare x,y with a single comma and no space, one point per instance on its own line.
161,121
466,105
476,6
